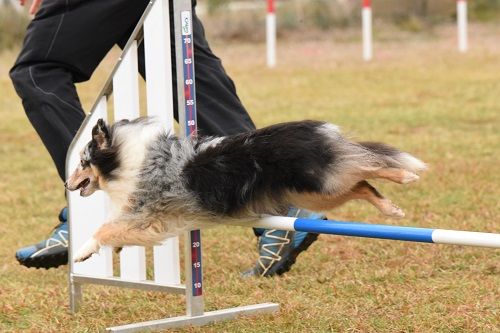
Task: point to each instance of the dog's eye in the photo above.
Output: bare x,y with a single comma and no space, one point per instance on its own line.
83,163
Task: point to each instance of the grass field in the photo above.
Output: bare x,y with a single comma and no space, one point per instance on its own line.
418,94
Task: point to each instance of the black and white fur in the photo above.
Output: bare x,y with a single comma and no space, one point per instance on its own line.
161,185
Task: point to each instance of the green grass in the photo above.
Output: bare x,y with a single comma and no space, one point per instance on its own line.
419,95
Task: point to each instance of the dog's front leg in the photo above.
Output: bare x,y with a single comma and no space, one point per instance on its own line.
118,234
88,248
92,245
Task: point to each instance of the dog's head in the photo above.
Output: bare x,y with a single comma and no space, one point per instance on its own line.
97,161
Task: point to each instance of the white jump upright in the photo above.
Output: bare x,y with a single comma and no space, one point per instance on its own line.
462,25
87,214
126,106
159,103
366,18
271,34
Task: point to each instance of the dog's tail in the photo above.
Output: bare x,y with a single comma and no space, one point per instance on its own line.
394,158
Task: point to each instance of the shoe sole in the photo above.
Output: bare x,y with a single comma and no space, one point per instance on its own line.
47,262
292,257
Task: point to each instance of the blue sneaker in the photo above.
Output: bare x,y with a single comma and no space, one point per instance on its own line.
279,249
52,252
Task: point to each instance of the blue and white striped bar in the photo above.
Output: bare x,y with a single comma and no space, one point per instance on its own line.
411,234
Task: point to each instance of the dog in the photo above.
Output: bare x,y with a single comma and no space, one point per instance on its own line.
161,185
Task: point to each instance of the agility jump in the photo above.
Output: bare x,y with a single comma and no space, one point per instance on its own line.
88,215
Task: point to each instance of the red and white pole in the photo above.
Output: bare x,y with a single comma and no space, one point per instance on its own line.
462,25
271,34
366,16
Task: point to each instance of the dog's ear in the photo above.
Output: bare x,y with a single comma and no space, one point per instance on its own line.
100,134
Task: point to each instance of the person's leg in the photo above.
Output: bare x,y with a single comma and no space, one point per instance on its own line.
219,109
80,35
64,44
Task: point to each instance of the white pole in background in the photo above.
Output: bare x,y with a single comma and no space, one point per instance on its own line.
366,15
271,34
462,25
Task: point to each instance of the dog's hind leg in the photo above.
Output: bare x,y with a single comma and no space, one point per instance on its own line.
365,191
400,176
361,191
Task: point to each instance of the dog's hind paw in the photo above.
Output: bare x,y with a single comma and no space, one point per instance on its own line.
392,210
90,247
409,177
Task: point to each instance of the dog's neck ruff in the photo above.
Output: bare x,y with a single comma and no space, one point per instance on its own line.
132,141
160,186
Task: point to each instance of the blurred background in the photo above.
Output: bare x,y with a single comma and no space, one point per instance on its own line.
245,20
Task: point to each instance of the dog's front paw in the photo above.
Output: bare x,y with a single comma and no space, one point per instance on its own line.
90,247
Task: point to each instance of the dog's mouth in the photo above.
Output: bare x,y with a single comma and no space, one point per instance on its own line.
83,185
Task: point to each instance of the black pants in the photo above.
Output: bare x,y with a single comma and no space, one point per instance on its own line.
66,41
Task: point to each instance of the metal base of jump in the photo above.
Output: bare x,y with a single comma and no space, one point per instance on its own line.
206,318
